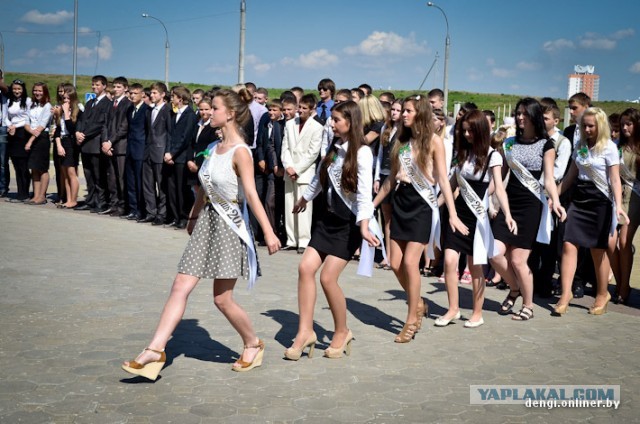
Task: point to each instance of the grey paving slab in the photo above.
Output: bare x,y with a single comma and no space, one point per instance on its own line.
80,293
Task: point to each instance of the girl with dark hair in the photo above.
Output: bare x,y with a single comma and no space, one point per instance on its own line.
530,153
66,146
39,143
345,180
596,207
16,118
478,164
383,169
418,164
629,149
220,246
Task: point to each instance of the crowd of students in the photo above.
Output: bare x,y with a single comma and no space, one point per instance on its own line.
453,195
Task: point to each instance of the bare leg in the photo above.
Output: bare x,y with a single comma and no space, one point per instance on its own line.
602,268
309,265
567,270
477,281
44,186
35,177
451,258
72,193
172,313
502,266
410,267
331,270
518,259
237,317
397,255
626,259
386,213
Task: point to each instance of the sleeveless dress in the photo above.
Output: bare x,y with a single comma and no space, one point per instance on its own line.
526,208
479,182
214,250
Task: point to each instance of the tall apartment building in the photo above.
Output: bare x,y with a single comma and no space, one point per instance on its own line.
584,80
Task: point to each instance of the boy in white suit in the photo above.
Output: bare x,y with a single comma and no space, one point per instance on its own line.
300,149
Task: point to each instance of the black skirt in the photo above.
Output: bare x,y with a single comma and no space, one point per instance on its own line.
16,143
526,210
336,236
39,153
411,215
71,151
458,241
589,217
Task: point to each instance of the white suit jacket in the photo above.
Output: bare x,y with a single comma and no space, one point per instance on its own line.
300,149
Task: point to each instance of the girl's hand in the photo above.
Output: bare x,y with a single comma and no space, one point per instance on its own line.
623,218
272,242
511,225
61,151
369,237
457,225
191,224
192,166
560,211
376,186
27,146
300,206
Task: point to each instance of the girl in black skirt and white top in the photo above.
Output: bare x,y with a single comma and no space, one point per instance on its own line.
39,144
383,168
216,250
596,206
66,147
528,154
15,119
478,165
417,165
339,233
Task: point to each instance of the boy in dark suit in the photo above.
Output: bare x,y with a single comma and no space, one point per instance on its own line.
183,126
159,129
89,137
114,147
137,120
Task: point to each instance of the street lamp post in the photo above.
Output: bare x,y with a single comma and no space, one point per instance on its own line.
166,48
2,52
446,55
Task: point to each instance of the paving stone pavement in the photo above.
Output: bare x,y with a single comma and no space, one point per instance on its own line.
80,293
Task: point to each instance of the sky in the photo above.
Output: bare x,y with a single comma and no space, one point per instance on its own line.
511,47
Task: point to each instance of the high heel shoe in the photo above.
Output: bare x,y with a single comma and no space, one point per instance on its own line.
149,370
257,360
600,310
407,333
294,354
443,322
559,309
421,312
335,353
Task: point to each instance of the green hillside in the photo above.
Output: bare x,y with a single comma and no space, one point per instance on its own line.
483,100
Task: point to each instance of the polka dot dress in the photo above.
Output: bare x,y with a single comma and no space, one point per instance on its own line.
214,250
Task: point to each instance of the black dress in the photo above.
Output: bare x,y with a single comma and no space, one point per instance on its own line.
39,153
456,240
526,208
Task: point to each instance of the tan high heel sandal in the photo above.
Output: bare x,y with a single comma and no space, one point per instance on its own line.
149,370
407,333
335,353
257,360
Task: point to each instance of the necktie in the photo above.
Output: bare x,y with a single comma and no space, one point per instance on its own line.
115,104
323,115
154,114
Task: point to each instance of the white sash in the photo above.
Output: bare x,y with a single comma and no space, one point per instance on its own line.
367,253
426,191
524,176
232,216
603,186
483,241
628,179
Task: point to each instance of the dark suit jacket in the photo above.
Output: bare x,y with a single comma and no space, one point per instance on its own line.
158,134
268,148
117,127
92,124
200,142
570,132
182,133
137,131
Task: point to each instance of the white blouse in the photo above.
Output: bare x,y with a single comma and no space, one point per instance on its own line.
467,168
600,162
364,202
40,116
17,116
